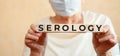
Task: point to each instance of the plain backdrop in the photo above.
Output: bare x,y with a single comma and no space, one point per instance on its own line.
17,15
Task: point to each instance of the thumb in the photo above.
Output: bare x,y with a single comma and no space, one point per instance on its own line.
34,27
106,29
42,38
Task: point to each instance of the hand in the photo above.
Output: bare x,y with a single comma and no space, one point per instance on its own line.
103,41
35,40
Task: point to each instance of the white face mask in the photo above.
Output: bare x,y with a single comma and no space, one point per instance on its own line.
66,7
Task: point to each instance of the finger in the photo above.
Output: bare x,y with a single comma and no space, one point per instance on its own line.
36,46
106,38
30,31
106,30
31,37
28,41
34,27
113,41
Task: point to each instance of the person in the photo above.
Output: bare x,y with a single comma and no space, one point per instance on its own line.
72,44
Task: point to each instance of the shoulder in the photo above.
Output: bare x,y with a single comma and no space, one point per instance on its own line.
94,14
93,17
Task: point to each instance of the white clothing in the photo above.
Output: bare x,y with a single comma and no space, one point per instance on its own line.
76,44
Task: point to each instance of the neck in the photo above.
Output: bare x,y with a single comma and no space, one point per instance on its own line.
75,19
